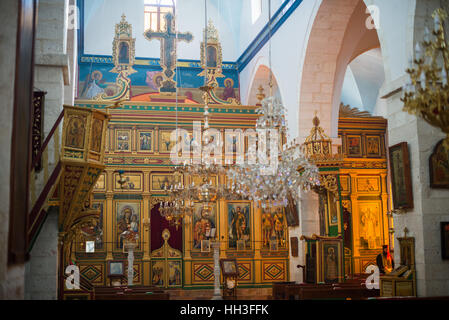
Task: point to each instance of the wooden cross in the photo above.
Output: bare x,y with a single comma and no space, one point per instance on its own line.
168,42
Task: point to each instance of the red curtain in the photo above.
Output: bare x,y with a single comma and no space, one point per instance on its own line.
159,224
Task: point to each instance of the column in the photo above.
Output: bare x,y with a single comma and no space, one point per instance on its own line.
109,214
130,265
217,291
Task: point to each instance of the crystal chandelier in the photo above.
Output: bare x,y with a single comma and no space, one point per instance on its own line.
179,204
292,171
288,172
427,92
181,199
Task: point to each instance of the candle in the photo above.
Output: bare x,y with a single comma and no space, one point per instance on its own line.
436,21
423,80
418,52
426,35
444,76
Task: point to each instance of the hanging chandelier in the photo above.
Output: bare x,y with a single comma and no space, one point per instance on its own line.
268,184
427,92
280,172
178,204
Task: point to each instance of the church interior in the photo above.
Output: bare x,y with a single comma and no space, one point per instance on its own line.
224,150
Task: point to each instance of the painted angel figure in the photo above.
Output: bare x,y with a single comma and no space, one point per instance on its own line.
239,223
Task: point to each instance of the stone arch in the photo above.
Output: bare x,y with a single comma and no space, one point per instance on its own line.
338,35
260,77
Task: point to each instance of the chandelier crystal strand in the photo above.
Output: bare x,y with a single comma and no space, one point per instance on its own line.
176,207
292,173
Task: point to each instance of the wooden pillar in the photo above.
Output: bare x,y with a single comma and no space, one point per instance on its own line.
355,223
21,133
257,238
385,218
109,213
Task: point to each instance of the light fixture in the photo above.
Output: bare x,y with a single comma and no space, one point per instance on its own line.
426,94
278,178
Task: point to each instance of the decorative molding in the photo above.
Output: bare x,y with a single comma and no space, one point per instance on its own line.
347,112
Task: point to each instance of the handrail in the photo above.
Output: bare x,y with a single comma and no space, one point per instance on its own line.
47,140
37,214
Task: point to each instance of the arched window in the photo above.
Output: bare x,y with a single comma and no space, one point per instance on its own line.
155,10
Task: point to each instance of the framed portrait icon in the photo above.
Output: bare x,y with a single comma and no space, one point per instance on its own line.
205,246
401,181
229,267
115,268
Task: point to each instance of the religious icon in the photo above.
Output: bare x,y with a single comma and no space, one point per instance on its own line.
174,275
203,223
369,227
116,268
92,233
123,56
229,267
331,264
205,246
94,85
238,223
145,141
159,182
90,246
401,182
279,222
158,273
367,184
229,91
211,57
267,227
165,142
373,146
154,79
123,140
133,181
354,146
439,167
75,132
97,130
127,223
291,212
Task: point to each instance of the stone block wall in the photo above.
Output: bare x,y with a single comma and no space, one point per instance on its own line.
55,63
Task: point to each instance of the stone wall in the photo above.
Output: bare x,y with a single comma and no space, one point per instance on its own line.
42,269
430,205
55,63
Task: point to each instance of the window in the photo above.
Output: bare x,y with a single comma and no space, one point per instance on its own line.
155,10
256,10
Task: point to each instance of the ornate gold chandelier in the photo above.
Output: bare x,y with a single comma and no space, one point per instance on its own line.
317,148
179,204
427,92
